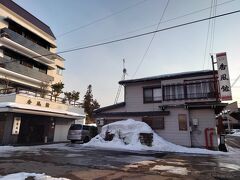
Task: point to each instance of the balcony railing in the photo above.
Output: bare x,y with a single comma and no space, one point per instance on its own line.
38,94
26,43
189,96
24,70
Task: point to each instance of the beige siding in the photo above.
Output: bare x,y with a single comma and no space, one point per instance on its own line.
134,98
134,103
134,95
206,119
171,131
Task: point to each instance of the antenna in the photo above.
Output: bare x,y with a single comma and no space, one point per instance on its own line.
120,86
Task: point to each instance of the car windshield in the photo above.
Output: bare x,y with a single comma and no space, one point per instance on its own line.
76,127
85,127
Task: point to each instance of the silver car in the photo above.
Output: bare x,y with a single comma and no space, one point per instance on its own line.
81,133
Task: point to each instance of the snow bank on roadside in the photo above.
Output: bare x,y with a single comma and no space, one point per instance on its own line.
24,175
9,149
126,136
236,133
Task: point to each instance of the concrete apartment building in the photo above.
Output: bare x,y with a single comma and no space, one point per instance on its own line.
180,107
28,62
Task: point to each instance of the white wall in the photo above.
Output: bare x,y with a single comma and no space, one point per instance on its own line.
171,128
61,130
206,119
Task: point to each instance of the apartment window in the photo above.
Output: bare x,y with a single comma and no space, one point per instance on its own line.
152,94
155,122
59,70
182,122
174,92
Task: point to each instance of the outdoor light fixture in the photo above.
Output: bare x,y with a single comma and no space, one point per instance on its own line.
162,107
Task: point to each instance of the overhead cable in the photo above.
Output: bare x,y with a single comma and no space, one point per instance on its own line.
100,19
151,40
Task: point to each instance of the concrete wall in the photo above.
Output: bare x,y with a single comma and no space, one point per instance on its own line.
57,77
7,13
4,13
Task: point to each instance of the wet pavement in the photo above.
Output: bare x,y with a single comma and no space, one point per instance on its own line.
79,162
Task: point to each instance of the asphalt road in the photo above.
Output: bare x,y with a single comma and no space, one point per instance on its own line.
79,162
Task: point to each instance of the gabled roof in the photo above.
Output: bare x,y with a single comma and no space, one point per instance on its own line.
170,76
27,16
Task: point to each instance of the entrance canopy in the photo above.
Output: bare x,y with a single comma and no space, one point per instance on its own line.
38,110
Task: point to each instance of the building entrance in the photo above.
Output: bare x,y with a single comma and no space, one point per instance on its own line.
34,130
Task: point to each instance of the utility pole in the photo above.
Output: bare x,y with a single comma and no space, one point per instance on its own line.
216,94
120,86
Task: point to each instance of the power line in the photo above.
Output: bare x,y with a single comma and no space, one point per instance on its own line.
143,34
138,35
168,20
149,45
213,26
101,19
208,29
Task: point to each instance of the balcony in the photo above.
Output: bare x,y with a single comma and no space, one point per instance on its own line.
21,69
189,96
31,97
27,43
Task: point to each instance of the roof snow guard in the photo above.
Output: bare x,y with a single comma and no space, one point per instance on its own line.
170,76
27,16
30,109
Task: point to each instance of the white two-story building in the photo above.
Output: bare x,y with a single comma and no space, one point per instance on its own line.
180,107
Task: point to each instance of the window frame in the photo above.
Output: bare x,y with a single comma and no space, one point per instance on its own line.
59,70
149,121
170,92
180,128
152,99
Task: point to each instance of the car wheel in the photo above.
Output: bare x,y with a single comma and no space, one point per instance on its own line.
73,141
86,139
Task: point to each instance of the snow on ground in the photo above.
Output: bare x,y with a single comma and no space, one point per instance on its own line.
24,175
171,169
126,136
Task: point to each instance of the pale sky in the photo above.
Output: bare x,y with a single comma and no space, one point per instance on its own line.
177,50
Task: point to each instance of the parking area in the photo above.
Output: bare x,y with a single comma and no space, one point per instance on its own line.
76,161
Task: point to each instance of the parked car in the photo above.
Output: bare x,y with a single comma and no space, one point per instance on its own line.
81,133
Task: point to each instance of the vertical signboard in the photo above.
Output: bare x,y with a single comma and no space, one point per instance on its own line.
16,125
223,77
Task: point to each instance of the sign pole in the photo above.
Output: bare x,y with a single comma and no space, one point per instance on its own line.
214,79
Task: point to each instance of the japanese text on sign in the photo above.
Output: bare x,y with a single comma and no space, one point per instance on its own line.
223,77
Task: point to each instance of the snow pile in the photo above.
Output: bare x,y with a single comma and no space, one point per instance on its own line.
23,176
126,136
236,132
